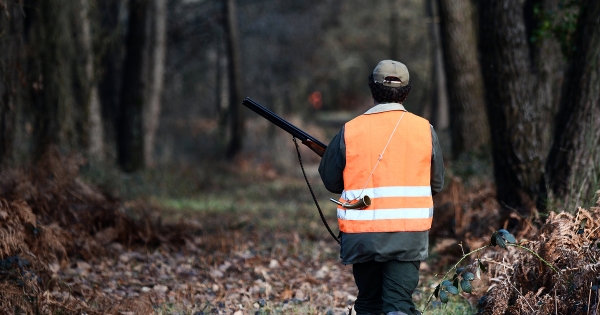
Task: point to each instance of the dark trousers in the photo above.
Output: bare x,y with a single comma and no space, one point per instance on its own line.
385,287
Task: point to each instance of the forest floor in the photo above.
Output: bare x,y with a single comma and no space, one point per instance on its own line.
221,240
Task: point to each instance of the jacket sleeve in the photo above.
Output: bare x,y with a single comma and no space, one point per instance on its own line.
333,163
437,165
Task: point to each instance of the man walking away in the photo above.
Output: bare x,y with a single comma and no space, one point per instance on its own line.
391,159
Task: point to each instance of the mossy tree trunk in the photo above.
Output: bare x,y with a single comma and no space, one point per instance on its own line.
468,120
573,167
519,78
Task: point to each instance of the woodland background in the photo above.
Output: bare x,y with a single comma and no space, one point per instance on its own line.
140,102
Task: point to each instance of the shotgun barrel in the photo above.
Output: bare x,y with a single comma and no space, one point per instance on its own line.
317,146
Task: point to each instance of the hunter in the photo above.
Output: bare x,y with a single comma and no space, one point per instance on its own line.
391,159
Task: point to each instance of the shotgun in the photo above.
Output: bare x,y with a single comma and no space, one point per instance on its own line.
317,146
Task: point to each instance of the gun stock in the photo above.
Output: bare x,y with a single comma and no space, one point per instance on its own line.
318,149
315,145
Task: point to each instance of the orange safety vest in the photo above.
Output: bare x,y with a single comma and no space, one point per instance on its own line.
399,188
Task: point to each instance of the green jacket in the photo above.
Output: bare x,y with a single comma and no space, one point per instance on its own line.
363,247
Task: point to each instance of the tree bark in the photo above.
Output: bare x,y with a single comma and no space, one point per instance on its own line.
157,54
95,128
438,107
518,100
468,123
11,22
235,79
111,63
573,167
221,86
51,68
130,138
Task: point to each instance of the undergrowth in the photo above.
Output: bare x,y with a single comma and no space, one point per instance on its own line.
245,236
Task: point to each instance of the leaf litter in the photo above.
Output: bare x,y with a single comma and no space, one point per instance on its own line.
65,247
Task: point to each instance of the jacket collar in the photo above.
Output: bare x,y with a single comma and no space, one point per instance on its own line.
385,107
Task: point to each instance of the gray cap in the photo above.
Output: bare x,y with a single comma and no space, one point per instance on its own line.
391,73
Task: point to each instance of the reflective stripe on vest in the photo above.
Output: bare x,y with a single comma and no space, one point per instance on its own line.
399,188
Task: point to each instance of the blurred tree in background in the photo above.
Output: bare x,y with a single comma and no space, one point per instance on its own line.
55,79
11,72
142,85
130,137
468,124
155,63
234,78
91,98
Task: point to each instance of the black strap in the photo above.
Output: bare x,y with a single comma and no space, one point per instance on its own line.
313,194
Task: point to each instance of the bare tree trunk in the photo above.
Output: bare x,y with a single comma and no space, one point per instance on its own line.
518,102
96,134
157,53
235,79
438,110
111,62
221,87
573,167
468,123
130,138
11,22
51,70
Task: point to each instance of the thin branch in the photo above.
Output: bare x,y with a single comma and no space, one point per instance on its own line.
536,255
518,292
497,263
590,298
586,267
555,302
592,232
